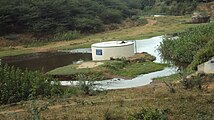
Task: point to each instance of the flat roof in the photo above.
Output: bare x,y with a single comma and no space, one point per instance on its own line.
112,44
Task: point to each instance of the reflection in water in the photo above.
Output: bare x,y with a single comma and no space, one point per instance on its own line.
45,61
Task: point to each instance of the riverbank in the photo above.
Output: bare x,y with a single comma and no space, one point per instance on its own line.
155,27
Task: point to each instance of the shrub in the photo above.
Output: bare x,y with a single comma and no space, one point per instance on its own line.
17,85
87,84
203,55
196,44
192,83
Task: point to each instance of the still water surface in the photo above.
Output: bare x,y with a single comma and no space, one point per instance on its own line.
45,61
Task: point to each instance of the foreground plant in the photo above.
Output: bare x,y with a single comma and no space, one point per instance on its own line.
18,85
87,84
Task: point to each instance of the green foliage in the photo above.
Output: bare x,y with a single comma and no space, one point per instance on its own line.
173,7
203,54
17,85
124,68
67,36
150,114
44,17
169,7
114,65
194,46
87,84
171,78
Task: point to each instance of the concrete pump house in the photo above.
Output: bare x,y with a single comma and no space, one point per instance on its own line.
112,49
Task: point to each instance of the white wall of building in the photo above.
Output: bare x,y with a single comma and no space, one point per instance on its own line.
207,67
107,52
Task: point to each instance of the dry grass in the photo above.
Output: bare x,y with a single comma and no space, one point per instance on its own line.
184,104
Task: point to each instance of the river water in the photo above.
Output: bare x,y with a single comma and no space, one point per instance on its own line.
147,45
47,61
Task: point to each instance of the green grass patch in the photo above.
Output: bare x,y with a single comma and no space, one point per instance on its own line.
114,67
71,70
173,77
132,69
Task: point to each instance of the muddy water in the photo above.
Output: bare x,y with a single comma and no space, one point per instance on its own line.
45,61
146,45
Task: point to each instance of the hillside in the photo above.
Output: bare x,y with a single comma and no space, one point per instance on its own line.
47,19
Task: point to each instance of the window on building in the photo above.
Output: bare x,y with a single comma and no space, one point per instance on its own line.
99,52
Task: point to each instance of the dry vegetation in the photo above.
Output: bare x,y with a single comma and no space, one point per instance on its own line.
120,104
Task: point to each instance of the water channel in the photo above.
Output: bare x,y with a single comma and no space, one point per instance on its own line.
147,45
48,61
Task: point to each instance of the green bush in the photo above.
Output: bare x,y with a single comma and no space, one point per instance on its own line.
47,17
194,45
17,85
150,114
203,55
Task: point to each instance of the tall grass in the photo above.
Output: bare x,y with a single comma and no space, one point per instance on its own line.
70,35
190,45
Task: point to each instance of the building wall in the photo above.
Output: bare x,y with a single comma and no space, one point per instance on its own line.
105,53
201,68
209,67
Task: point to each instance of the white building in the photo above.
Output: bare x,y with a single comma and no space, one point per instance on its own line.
207,67
112,49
